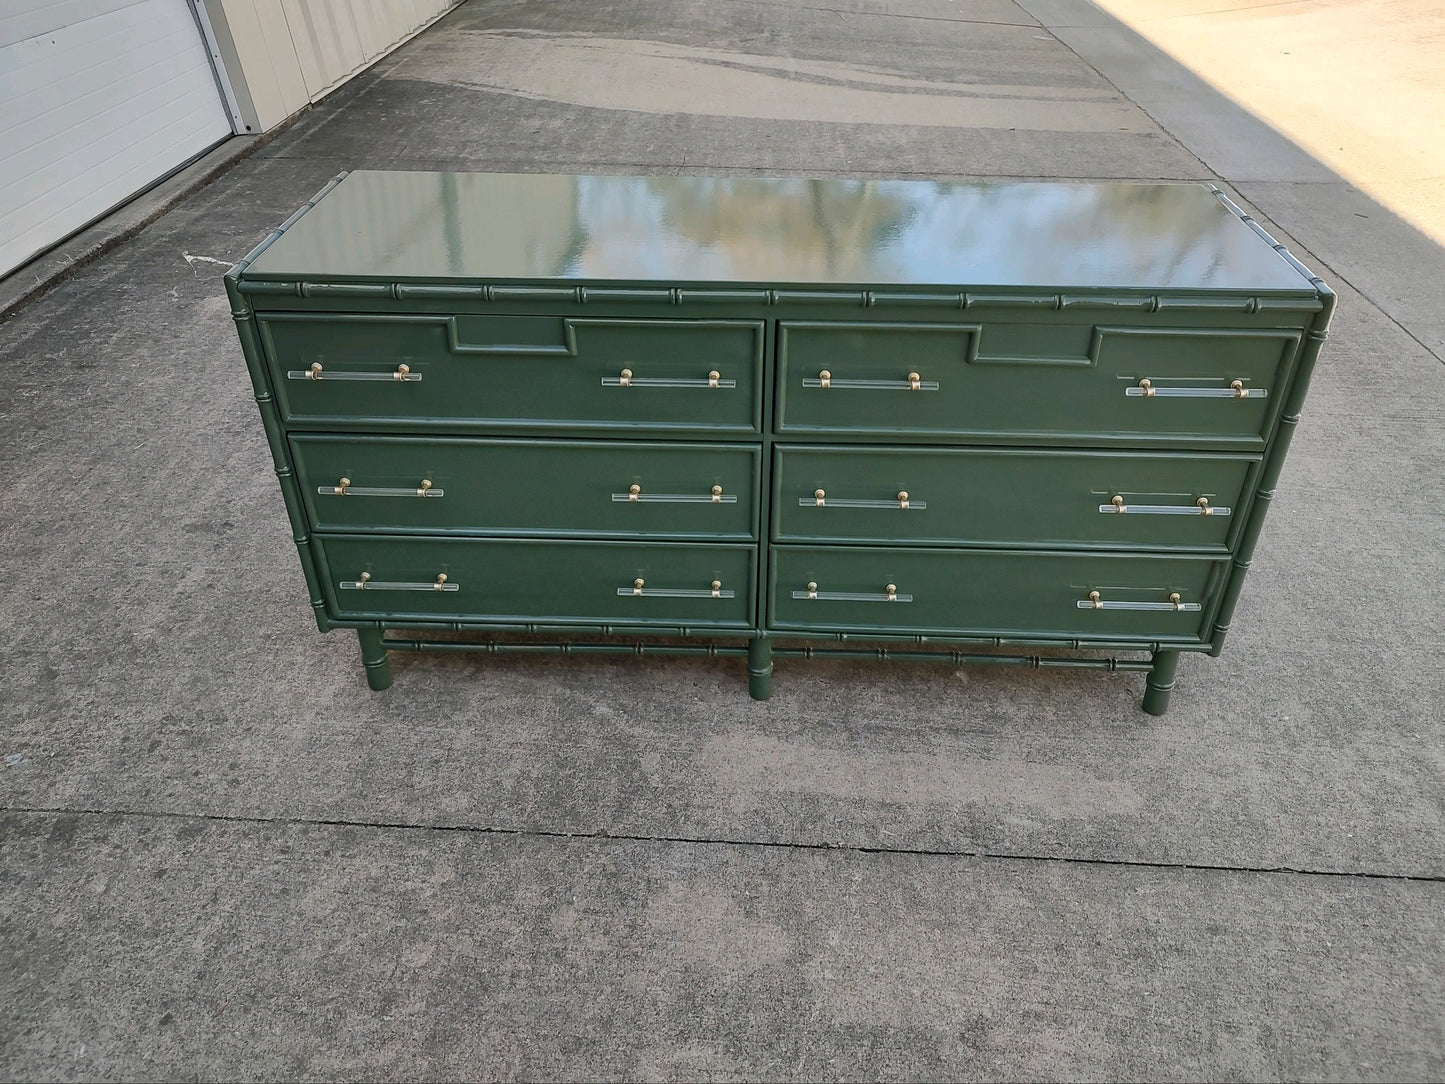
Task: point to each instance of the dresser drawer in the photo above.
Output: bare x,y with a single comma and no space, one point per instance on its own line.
515,371
921,381
538,488
539,582
1008,497
985,593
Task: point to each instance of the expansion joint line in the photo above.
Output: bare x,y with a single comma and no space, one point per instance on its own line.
712,841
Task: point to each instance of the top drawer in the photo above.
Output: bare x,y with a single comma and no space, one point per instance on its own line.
549,372
1081,384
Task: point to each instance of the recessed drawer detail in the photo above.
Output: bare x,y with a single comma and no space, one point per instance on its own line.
540,581
597,489
991,593
957,496
503,372
1203,387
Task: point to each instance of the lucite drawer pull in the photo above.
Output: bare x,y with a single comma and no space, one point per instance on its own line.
401,372
890,594
1236,390
820,499
625,379
914,382
634,495
1094,602
640,590
344,488
1201,507
364,582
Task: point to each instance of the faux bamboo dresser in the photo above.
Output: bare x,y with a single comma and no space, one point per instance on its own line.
762,417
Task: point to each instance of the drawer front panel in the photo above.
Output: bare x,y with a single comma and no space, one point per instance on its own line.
537,488
1026,498
991,593
516,371
541,582
922,380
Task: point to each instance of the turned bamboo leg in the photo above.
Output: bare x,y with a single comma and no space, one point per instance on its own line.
1160,682
760,668
373,657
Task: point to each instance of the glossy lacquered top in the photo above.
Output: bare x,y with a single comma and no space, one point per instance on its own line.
774,231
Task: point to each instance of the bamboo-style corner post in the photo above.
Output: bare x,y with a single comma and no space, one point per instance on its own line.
374,658
1160,682
760,668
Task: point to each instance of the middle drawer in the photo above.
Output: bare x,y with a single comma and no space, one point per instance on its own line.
953,496
594,489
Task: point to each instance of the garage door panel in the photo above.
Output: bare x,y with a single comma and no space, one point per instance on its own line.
84,124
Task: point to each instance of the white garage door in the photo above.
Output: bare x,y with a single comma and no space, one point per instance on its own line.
98,99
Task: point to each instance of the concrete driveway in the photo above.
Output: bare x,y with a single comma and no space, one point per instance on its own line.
223,857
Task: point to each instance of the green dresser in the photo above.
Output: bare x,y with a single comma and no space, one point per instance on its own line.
757,417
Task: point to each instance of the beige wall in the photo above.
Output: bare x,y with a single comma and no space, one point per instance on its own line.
282,55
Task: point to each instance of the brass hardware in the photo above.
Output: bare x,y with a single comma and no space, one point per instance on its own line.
1235,390
1200,507
901,501
825,379
714,495
626,379
1173,603
344,488
314,372
714,589
890,593
364,582
915,382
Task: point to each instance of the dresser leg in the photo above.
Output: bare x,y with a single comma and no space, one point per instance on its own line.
1160,682
760,669
373,657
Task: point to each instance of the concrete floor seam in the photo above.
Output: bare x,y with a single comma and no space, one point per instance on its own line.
893,15
706,841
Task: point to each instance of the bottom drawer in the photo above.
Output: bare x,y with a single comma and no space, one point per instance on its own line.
541,582
992,593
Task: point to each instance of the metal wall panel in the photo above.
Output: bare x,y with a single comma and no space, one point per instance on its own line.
282,55
98,99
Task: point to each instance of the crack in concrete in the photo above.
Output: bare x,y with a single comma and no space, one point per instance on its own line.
705,841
